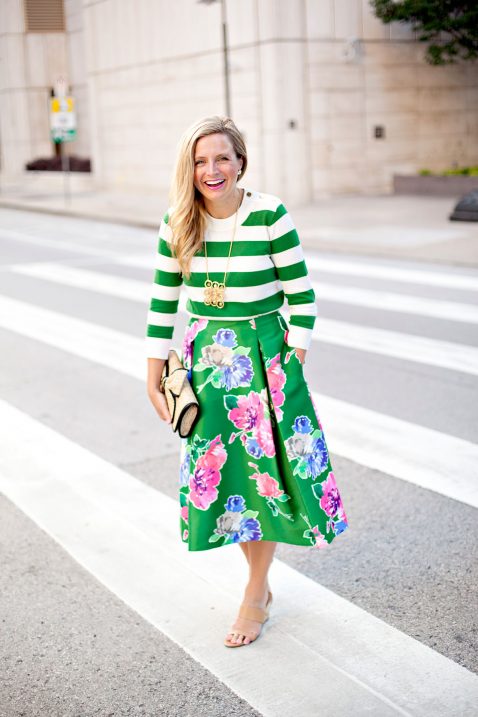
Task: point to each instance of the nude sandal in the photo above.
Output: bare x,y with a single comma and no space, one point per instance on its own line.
250,613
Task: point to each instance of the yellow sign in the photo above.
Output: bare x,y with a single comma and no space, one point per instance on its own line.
62,104
62,119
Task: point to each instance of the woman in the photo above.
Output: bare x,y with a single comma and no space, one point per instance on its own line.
256,469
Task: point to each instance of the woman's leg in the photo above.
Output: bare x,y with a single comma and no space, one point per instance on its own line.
260,556
245,549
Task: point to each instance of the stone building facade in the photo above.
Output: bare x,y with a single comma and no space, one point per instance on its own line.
310,83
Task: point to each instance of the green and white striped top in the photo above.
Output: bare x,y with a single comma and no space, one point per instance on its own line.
266,265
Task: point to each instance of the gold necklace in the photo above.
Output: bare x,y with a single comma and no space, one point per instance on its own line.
214,290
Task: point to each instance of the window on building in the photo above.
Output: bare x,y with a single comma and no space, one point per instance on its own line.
44,16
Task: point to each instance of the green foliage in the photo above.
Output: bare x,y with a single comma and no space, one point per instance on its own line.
466,171
458,20
231,401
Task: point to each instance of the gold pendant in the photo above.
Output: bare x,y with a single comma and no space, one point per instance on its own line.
214,293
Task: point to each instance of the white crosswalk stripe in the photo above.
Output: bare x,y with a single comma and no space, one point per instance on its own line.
433,352
371,270
63,246
125,534
398,303
422,456
341,266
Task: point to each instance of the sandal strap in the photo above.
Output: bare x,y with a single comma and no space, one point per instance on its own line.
253,613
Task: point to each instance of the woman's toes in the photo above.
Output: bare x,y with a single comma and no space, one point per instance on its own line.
234,637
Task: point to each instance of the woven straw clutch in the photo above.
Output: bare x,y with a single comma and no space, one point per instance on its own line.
182,403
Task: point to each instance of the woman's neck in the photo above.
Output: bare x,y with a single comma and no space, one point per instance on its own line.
223,212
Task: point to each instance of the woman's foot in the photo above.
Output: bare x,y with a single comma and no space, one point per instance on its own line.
246,629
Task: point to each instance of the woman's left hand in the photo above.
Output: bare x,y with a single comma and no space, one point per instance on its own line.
301,354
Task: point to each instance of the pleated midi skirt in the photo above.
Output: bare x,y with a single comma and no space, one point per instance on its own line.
256,466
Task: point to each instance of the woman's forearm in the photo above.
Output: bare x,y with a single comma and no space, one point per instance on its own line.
155,369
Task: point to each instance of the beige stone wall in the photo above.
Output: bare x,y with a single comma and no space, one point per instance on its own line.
154,67
429,113
306,100
30,62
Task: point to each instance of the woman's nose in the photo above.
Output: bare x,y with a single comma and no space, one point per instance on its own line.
211,166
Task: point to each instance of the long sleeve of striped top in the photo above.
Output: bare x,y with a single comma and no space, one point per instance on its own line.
267,265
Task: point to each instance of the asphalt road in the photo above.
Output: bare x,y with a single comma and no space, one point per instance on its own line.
73,647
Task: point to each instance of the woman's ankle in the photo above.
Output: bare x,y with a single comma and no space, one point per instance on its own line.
257,592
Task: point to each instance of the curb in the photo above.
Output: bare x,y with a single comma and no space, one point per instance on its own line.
316,244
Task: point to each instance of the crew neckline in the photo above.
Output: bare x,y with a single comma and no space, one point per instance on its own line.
227,222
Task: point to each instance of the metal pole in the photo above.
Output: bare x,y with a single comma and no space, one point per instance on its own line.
65,166
226,58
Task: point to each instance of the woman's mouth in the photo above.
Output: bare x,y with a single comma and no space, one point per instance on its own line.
214,185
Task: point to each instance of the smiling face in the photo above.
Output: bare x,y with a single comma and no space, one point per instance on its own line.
215,170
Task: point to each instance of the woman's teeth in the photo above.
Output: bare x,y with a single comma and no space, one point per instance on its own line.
215,185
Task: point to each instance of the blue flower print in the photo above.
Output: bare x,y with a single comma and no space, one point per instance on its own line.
253,448
236,524
340,526
239,373
226,337
249,529
302,424
235,503
317,460
228,365
184,470
307,447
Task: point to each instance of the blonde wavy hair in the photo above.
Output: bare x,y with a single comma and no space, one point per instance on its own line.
187,217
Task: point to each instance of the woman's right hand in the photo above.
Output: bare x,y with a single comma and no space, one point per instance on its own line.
157,397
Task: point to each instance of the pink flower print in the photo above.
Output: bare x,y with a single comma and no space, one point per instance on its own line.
341,514
320,541
330,501
202,485
248,413
267,486
215,456
184,513
264,437
189,336
276,378
275,373
185,534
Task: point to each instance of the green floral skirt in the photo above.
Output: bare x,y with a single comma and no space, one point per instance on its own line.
256,466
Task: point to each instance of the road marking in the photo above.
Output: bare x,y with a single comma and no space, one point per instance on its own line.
316,262
398,303
398,345
59,244
409,347
126,534
119,351
379,300
442,279
100,283
422,456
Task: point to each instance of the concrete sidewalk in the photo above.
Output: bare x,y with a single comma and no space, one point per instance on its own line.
406,227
